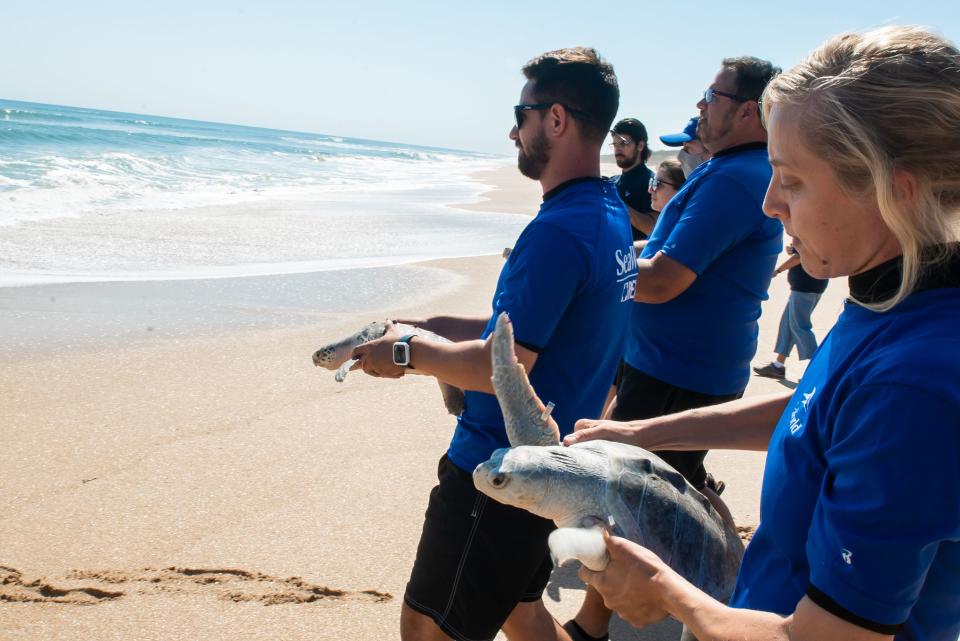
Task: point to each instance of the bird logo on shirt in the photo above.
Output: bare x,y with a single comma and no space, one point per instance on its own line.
847,556
795,421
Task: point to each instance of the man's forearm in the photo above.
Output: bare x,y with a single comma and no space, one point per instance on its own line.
454,328
642,221
745,424
464,364
660,279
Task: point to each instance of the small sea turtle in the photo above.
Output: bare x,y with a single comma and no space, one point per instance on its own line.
632,490
336,356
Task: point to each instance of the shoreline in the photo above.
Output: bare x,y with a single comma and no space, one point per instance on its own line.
41,318
200,472
512,193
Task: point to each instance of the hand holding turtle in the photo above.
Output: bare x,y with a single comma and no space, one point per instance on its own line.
593,430
631,583
376,356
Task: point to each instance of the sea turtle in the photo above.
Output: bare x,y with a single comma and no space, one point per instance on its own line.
634,492
336,356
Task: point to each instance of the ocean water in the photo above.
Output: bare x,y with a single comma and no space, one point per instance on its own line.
89,195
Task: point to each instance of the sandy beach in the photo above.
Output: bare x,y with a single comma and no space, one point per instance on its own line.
174,467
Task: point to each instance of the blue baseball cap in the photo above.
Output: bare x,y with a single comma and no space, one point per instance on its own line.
689,133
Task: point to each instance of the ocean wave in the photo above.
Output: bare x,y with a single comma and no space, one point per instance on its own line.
61,162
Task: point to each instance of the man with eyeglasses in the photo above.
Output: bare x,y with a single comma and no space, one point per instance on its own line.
568,288
700,281
630,151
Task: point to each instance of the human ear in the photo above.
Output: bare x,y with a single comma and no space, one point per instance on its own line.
905,188
559,119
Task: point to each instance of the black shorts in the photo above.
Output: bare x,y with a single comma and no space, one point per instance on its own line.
477,558
641,396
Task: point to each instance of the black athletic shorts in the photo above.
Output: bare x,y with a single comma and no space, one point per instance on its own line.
641,396
477,558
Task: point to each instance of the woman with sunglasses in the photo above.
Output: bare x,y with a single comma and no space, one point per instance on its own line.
665,184
859,535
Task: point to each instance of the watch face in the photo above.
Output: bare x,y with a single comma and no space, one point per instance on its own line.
400,354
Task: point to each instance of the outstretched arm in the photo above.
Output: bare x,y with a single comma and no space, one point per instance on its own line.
465,364
744,424
643,589
454,328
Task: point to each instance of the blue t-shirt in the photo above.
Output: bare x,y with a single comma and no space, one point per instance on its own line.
567,286
861,495
703,340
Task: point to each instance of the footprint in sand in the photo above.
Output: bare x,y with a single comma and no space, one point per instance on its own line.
13,588
225,584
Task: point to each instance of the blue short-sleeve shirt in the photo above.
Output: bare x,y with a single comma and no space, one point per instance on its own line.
568,286
703,340
860,507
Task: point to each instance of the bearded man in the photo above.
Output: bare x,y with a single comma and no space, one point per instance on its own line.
568,287
630,151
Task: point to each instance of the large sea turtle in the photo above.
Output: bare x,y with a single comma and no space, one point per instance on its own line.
336,356
635,492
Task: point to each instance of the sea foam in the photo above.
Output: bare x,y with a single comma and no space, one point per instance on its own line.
95,195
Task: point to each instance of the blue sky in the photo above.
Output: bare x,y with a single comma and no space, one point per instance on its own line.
432,73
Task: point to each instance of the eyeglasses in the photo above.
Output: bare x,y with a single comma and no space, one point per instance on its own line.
541,106
623,142
711,94
656,181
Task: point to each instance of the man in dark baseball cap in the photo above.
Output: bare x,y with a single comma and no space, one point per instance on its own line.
630,151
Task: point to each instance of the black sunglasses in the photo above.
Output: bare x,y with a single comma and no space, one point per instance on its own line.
540,106
710,95
656,181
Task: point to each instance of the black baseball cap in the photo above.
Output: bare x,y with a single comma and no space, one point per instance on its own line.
631,127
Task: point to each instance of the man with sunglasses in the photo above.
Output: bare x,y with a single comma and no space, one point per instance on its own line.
630,151
700,281
568,288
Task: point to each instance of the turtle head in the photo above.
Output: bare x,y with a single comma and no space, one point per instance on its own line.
326,357
555,482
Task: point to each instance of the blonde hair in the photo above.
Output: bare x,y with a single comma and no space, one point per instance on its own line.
876,103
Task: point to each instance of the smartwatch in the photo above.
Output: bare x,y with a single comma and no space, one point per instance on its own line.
401,351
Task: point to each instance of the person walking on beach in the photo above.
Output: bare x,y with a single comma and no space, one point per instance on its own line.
795,325
693,153
700,281
568,287
859,535
630,151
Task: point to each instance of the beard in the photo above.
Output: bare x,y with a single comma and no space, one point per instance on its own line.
625,162
710,132
532,158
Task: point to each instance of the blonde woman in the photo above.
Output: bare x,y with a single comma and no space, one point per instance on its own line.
859,535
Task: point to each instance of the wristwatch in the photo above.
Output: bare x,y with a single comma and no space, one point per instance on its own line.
401,351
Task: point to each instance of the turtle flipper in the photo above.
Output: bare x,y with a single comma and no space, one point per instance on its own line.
527,419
